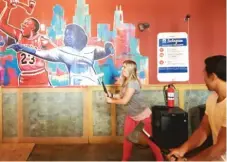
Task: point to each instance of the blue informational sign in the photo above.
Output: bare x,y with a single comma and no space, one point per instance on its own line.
172,57
172,42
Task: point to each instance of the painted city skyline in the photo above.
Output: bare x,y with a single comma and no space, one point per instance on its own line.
121,35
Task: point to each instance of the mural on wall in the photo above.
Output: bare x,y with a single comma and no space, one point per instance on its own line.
65,54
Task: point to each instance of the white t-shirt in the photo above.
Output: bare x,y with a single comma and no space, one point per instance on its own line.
216,113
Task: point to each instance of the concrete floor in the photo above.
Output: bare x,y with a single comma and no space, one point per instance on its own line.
86,152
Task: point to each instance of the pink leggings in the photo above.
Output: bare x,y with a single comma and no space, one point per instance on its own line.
130,124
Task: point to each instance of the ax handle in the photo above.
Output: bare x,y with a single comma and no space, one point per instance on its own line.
146,133
164,151
104,88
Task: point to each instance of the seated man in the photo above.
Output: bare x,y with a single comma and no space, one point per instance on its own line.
214,120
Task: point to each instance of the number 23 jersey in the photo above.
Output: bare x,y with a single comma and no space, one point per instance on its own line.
27,62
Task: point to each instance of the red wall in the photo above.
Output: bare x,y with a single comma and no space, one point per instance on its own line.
207,28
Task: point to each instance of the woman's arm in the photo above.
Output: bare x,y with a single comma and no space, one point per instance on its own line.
124,99
117,96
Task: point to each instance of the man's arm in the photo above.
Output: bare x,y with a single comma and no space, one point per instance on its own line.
199,136
101,53
49,55
4,19
215,151
47,43
29,8
55,54
197,139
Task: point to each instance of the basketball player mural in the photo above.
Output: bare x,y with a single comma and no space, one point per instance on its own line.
33,69
33,49
76,55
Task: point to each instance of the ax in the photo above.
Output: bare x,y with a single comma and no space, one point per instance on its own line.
134,137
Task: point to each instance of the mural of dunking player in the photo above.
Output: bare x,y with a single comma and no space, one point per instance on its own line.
72,55
32,69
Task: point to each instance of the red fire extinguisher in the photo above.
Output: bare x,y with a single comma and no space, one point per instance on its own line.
169,92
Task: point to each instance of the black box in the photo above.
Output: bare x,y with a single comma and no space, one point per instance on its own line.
169,126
